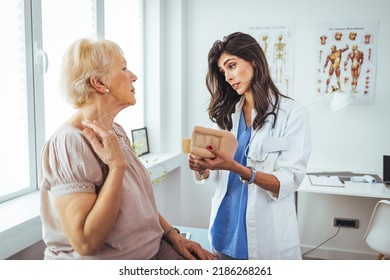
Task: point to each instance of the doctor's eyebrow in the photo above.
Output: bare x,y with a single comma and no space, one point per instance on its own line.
225,62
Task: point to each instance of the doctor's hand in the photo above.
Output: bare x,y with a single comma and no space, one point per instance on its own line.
222,161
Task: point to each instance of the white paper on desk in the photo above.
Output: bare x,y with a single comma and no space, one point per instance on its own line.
324,180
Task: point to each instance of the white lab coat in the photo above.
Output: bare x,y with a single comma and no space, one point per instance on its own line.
272,229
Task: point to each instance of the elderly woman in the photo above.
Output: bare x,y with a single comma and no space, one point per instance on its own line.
96,196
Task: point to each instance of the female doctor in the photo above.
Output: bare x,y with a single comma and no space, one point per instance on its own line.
253,212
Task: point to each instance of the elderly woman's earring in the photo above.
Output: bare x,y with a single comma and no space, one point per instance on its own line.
107,90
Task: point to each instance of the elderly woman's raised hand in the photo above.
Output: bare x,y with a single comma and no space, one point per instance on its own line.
105,143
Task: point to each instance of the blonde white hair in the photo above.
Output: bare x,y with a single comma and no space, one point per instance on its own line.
85,59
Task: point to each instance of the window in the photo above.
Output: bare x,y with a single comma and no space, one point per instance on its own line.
123,24
37,34
56,37
16,142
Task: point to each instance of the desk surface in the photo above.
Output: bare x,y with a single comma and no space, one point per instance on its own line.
377,190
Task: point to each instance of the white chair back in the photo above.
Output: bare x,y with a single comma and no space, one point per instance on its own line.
378,231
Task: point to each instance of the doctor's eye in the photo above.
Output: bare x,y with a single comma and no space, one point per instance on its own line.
232,66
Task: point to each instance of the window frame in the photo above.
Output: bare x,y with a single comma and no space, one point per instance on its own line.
31,104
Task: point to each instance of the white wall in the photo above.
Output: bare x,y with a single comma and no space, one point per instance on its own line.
316,213
352,139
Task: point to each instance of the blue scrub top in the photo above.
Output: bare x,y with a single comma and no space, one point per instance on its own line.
229,228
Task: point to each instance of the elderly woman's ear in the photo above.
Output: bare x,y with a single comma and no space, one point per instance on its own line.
97,83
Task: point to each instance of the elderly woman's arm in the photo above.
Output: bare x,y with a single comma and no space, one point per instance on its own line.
86,218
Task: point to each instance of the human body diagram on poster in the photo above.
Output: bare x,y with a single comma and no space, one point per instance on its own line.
346,60
277,44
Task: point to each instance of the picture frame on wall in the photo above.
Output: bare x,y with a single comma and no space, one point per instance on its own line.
140,141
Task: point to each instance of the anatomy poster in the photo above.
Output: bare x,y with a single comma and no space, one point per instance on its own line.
277,42
346,59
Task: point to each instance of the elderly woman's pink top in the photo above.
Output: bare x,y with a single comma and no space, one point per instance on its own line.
69,165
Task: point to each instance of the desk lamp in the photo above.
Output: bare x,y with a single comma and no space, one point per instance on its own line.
341,100
338,100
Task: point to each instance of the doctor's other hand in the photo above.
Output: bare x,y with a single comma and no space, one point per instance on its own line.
222,161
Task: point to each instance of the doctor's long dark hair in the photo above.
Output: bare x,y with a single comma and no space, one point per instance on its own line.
224,97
